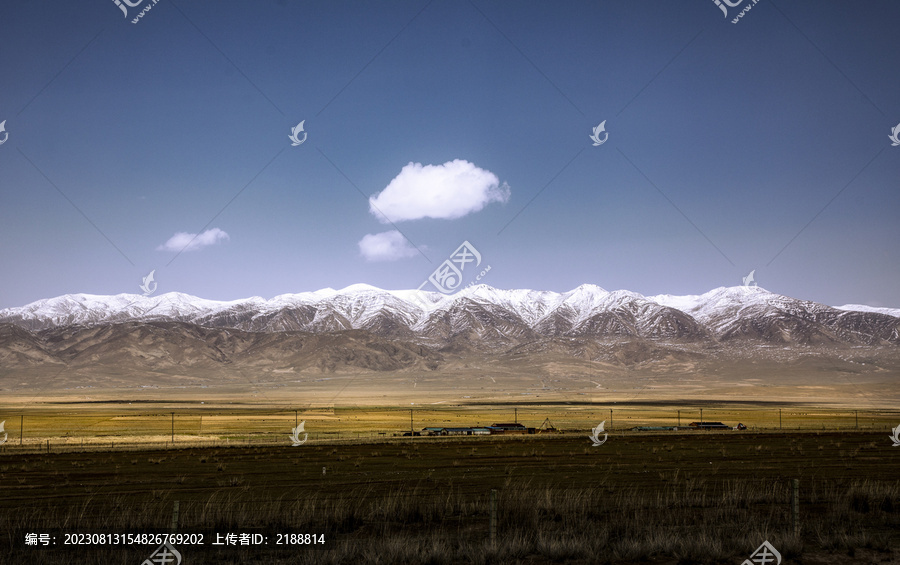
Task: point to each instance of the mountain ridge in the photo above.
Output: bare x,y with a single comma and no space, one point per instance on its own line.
576,339
501,318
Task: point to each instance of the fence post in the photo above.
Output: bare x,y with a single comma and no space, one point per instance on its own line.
795,506
493,518
174,526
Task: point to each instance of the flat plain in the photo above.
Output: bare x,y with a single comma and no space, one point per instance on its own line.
381,497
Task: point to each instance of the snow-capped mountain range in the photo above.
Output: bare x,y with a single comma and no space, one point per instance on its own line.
510,316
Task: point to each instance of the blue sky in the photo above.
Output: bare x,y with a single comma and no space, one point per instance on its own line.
757,145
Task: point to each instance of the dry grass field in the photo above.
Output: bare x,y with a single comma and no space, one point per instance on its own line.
641,497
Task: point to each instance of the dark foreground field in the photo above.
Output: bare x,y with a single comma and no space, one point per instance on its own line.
696,497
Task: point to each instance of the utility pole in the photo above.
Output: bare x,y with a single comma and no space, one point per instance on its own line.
610,418
701,416
517,414
679,418
173,427
295,418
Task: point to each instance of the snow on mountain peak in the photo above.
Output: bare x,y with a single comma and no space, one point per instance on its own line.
895,312
716,297
363,306
359,287
592,288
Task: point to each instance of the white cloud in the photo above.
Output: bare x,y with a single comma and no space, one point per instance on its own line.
447,191
386,246
182,241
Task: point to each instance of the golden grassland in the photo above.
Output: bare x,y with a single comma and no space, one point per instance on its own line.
68,424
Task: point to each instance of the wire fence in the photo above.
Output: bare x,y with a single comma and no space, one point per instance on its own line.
43,431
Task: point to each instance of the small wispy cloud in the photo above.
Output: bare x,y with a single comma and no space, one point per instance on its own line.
452,190
183,241
386,246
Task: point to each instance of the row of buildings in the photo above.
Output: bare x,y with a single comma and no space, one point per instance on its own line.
692,426
517,428
475,431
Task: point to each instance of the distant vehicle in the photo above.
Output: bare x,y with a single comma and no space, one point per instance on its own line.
740,426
